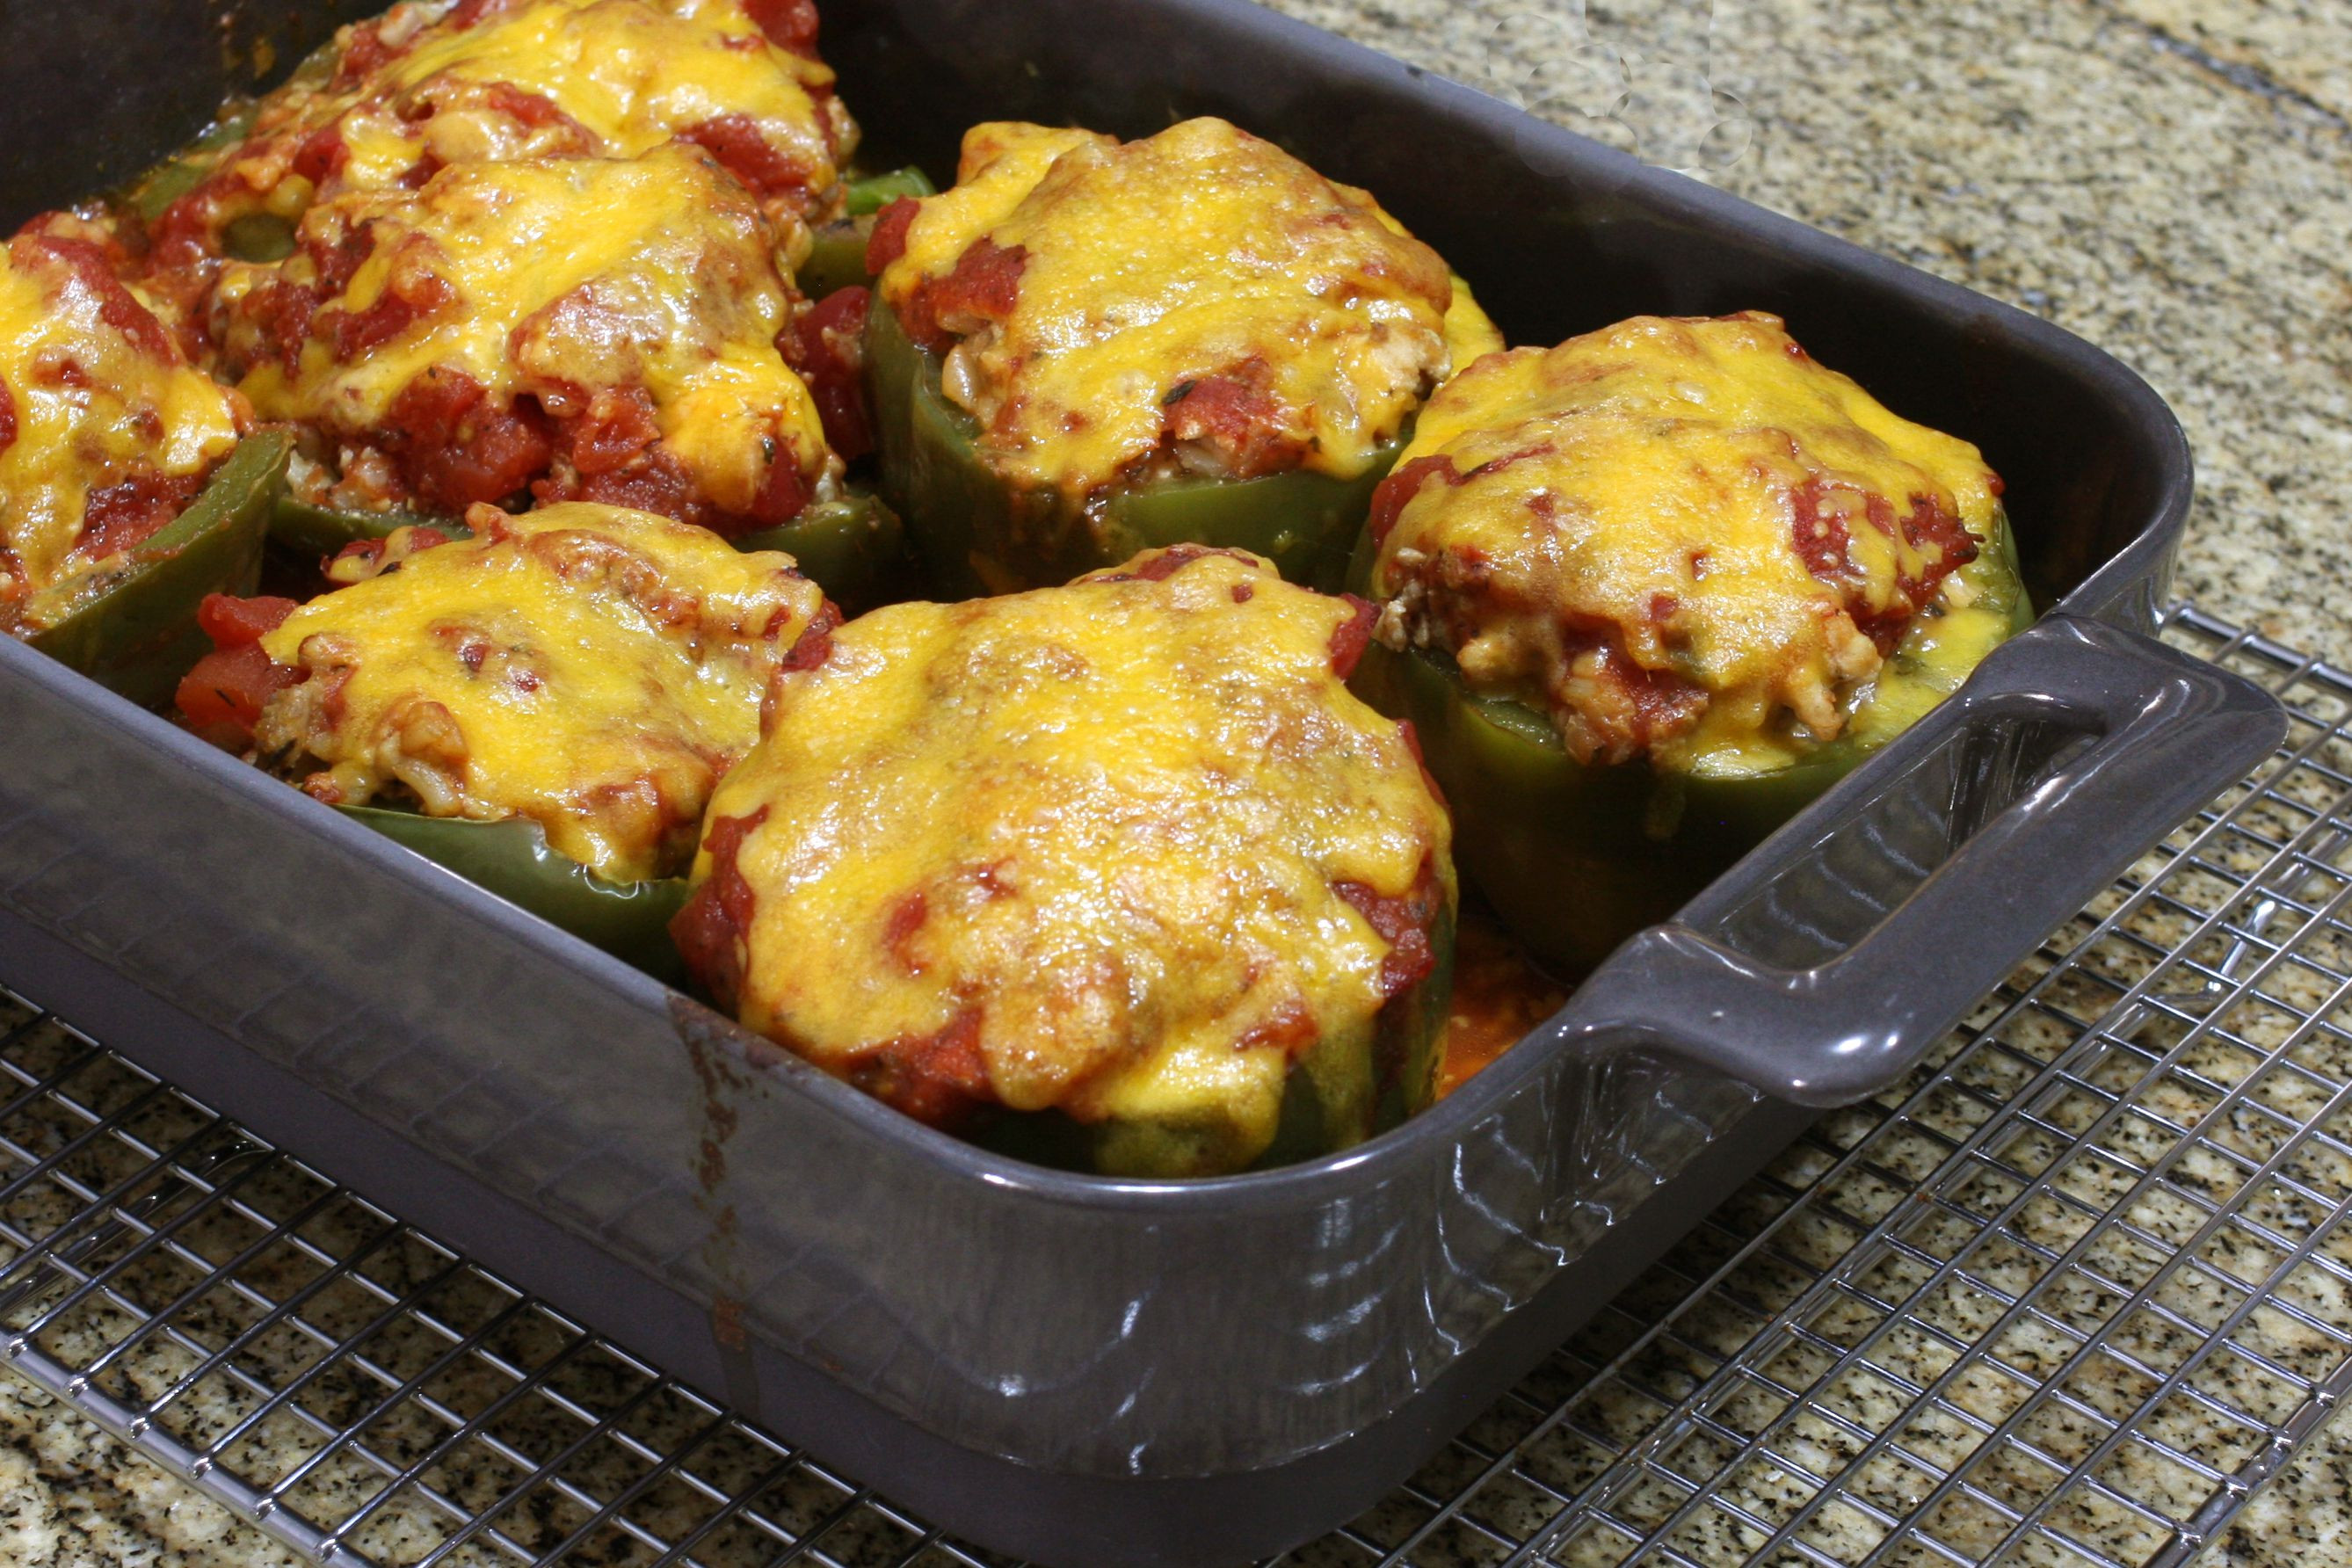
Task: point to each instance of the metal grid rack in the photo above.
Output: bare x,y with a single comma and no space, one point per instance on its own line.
2068,1294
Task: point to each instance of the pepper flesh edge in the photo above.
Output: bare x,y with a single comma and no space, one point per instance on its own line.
980,535
1573,857
853,547
136,633
1344,1088
512,859
836,257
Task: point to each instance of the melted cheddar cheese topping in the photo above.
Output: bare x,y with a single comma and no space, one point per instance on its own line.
426,86
593,669
104,429
551,279
1094,288
1683,538
1090,847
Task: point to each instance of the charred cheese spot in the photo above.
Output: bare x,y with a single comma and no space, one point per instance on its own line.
1199,298
1682,537
604,327
105,432
593,669
1122,848
424,87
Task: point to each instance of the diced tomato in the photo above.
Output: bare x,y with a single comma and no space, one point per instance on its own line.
1396,493
502,453
534,110
364,52
888,240
828,343
457,447
619,425
654,482
938,1079
815,644
183,239
222,695
1352,635
1236,413
338,259
8,416
1821,538
283,310
789,23
232,622
87,265
361,559
1290,1025
430,410
119,516
783,495
907,918
411,295
321,155
420,174
1665,702
1403,923
713,930
985,283
745,151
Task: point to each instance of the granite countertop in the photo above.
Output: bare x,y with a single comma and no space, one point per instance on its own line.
2171,179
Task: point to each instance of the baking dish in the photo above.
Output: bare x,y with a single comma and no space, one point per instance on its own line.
1078,1370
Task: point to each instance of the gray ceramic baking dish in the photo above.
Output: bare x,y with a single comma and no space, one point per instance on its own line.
1089,1372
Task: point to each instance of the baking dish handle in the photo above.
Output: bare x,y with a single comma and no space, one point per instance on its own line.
1826,963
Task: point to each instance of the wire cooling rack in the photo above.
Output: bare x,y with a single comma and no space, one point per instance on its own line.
2066,1295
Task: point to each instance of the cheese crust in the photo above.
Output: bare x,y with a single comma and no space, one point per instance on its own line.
105,431
1682,539
1197,302
597,329
425,87
1118,848
593,669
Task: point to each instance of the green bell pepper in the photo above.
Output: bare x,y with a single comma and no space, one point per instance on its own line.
149,194
979,534
1340,1092
513,858
1577,857
322,530
837,259
133,630
852,548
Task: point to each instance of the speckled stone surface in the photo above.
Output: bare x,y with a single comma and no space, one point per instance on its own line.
2171,178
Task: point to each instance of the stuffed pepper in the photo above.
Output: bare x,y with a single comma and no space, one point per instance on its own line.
1116,875
425,87
124,496
1089,347
566,329
543,706
1644,594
